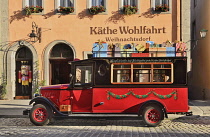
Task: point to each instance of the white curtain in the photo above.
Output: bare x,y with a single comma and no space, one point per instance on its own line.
35,3
160,2
66,3
97,2
130,2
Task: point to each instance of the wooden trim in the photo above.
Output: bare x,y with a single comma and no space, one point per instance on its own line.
172,73
150,69
144,63
142,83
121,68
152,73
131,75
111,73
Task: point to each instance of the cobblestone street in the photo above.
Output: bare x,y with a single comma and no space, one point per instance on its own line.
178,127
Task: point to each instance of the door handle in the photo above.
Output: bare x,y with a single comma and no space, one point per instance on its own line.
101,103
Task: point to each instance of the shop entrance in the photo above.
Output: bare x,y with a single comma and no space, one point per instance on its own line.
60,55
23,73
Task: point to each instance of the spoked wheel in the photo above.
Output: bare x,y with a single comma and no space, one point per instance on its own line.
40,115
152,115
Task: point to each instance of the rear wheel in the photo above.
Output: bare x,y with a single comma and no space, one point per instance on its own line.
152,115
40,115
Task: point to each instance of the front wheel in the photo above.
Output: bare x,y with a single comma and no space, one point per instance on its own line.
152,115
40,115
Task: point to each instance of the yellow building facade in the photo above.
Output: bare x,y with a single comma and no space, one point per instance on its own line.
66,36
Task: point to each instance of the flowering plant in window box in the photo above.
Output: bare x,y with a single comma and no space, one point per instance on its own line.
33,9
66,10
97,9
128,9
162,8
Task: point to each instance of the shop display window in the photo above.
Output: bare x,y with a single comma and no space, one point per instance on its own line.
142,73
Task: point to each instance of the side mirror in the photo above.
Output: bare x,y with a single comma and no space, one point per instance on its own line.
69,62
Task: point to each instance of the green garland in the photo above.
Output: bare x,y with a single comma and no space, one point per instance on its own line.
141,96
166,96
109,93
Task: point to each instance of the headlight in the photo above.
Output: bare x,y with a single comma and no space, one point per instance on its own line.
37,95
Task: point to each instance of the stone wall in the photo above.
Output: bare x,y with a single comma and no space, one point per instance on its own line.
4,20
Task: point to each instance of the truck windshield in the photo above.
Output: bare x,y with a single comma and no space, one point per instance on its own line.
83,75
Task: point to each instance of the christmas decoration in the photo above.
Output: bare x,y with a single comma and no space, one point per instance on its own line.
109,93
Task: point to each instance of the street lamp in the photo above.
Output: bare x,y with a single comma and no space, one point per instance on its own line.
203,33
35,35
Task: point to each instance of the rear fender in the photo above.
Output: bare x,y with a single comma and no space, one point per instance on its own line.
143,105
43,100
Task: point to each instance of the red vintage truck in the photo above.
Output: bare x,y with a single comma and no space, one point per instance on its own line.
150,87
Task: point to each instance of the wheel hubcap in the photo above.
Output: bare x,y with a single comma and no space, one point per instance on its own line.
153,116
40,114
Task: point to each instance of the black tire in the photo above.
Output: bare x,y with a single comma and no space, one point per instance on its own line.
152,115
40,115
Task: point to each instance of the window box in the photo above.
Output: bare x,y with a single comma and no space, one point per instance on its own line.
162,8
97,9
129,10
129,7
65,6
66,10
33,9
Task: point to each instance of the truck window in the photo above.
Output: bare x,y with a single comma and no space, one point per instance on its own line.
142,73
83,75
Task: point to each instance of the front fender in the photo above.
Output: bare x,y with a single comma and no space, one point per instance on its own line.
43,100
152,102
39,100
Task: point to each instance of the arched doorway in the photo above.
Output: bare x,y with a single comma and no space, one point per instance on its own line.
24,73
60,55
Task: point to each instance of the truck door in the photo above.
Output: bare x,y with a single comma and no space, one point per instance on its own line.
82,91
